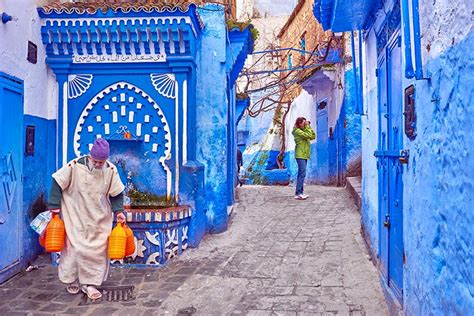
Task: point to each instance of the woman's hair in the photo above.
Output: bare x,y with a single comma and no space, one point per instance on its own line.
299,120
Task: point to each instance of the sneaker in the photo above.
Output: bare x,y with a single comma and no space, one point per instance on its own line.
305,196
300,197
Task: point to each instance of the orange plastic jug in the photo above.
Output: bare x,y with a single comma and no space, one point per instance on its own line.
42,238
55,234
117,242
130,247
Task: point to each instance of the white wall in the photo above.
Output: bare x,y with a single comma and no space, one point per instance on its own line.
39,82
324,86
303,105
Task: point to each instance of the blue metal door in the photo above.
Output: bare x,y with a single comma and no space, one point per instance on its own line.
322,141
11,123
389,166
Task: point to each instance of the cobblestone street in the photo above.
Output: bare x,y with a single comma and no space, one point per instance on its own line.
279,256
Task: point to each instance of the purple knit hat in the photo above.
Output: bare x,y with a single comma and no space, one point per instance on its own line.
100,150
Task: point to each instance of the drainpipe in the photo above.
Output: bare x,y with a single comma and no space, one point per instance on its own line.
361,95
409,72
417,40
356,80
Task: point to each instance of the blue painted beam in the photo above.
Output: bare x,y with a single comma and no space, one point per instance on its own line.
417,40
354,70
409,72
360,108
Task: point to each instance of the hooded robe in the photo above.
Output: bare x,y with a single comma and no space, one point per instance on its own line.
87,214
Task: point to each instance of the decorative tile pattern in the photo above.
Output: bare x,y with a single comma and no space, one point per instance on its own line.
159,215
89,36
160,234
124,112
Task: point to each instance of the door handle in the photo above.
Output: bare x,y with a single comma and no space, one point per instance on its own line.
386,223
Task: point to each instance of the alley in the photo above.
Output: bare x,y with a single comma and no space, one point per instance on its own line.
278,257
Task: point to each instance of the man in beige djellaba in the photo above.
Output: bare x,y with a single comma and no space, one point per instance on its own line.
87,191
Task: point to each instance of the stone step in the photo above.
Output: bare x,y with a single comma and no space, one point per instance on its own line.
353,185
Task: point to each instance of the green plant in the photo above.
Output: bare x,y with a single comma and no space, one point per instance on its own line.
231,24
139,198
255,33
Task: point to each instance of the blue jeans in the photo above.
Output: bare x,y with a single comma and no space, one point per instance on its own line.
301,175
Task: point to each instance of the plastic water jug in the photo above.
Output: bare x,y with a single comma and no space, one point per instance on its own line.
117,242
42,238
55,235
130,247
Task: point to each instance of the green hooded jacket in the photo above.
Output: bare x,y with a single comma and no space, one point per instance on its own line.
303,136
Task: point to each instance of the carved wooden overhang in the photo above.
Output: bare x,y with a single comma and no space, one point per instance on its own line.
241,45
120,33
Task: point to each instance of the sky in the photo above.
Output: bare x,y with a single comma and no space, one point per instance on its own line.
275,7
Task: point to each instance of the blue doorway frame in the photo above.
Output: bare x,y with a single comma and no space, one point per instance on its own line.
11,172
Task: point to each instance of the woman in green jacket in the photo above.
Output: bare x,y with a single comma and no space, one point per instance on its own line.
303,134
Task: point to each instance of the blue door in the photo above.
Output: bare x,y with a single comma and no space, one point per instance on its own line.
11,155
322,141
382,163
390,168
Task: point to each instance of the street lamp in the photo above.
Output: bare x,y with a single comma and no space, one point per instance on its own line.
7,18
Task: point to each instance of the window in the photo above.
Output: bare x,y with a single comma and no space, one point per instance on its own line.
303,43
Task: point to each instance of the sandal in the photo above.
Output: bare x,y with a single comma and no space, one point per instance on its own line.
73,288
91,292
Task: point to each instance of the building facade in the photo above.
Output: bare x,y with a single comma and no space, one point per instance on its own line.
315,77
417,187
322,96
255,137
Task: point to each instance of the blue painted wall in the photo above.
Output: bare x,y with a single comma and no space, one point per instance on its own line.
352,128
212,111
439,189
37,171
438,185
231,143
256,126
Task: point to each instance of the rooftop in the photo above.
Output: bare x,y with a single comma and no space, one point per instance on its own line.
93,7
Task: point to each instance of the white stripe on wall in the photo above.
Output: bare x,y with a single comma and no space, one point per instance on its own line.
64,123
176,183
185,121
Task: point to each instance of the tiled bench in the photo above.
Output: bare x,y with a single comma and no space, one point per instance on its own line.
160,234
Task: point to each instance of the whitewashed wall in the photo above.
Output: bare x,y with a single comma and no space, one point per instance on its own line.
39,82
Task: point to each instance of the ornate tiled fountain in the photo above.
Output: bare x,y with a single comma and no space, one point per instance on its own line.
128,74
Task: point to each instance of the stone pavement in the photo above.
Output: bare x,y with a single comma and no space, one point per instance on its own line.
279,256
